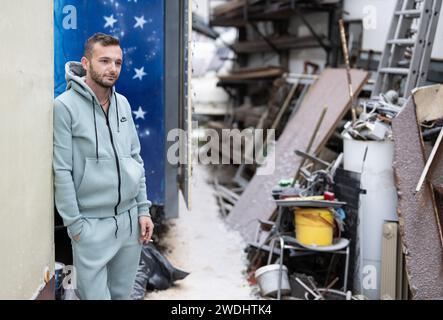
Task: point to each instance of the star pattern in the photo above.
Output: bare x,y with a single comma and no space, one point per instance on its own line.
139,73
140,22
110,21
139,114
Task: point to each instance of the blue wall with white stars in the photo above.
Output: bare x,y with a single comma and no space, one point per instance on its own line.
139,24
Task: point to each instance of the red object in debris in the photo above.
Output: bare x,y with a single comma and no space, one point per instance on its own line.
329,196
251,278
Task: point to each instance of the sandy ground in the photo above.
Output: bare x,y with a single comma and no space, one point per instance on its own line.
200,243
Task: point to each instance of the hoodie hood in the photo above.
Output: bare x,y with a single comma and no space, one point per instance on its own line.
75,79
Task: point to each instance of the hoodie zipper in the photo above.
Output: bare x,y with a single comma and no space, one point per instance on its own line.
116,156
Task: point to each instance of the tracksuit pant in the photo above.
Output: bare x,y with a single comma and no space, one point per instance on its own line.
106,257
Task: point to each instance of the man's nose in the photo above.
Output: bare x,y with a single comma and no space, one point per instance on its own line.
113,67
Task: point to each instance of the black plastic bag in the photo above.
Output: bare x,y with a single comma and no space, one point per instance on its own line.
154,272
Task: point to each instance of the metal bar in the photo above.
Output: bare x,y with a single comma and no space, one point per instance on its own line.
315,288
285,105
348,68
346,269
299,100
414,13
316,296
424,65
419,48
311,157
400,71
401,42
311,29
282,248
333,17
265,38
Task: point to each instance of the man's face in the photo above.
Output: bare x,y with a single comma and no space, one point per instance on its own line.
105,65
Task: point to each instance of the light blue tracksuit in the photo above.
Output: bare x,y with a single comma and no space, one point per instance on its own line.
100,189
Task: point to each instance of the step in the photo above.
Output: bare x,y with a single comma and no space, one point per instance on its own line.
401,71
413,13
402,42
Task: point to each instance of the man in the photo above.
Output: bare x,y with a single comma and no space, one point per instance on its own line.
99,176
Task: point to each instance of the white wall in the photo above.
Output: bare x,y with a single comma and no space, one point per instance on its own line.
26,95
374,38
316,55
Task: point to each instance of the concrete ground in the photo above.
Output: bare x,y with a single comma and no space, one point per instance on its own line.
200,243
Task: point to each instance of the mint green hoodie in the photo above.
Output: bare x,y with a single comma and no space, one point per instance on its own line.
98,171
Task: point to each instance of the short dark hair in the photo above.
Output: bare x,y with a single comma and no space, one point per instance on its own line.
102,38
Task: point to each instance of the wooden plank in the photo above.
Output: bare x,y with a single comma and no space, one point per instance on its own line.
331,89
429,102
231,6
270,72
249,70
389,254
416,210
227,7
435,172
281,43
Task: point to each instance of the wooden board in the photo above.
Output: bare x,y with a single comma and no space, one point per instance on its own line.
435,175
429,102
269,72
233,5
330,89
281,43
416,211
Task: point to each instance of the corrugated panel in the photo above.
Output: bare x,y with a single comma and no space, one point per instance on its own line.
416,211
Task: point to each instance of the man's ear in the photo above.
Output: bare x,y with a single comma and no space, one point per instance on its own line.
85,63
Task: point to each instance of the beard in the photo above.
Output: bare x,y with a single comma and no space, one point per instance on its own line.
101,79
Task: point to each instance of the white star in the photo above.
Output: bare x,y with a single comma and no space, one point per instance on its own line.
139,114
140,22
110,21
139,73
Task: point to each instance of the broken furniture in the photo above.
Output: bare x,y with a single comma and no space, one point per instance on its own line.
256,201
297,248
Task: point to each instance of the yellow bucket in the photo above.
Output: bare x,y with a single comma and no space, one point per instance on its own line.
314,226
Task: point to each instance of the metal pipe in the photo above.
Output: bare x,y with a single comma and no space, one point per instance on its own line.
348,68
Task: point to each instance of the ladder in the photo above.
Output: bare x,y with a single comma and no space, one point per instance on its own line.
405,60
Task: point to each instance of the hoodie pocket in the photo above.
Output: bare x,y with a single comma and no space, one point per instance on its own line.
131,173
99,185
